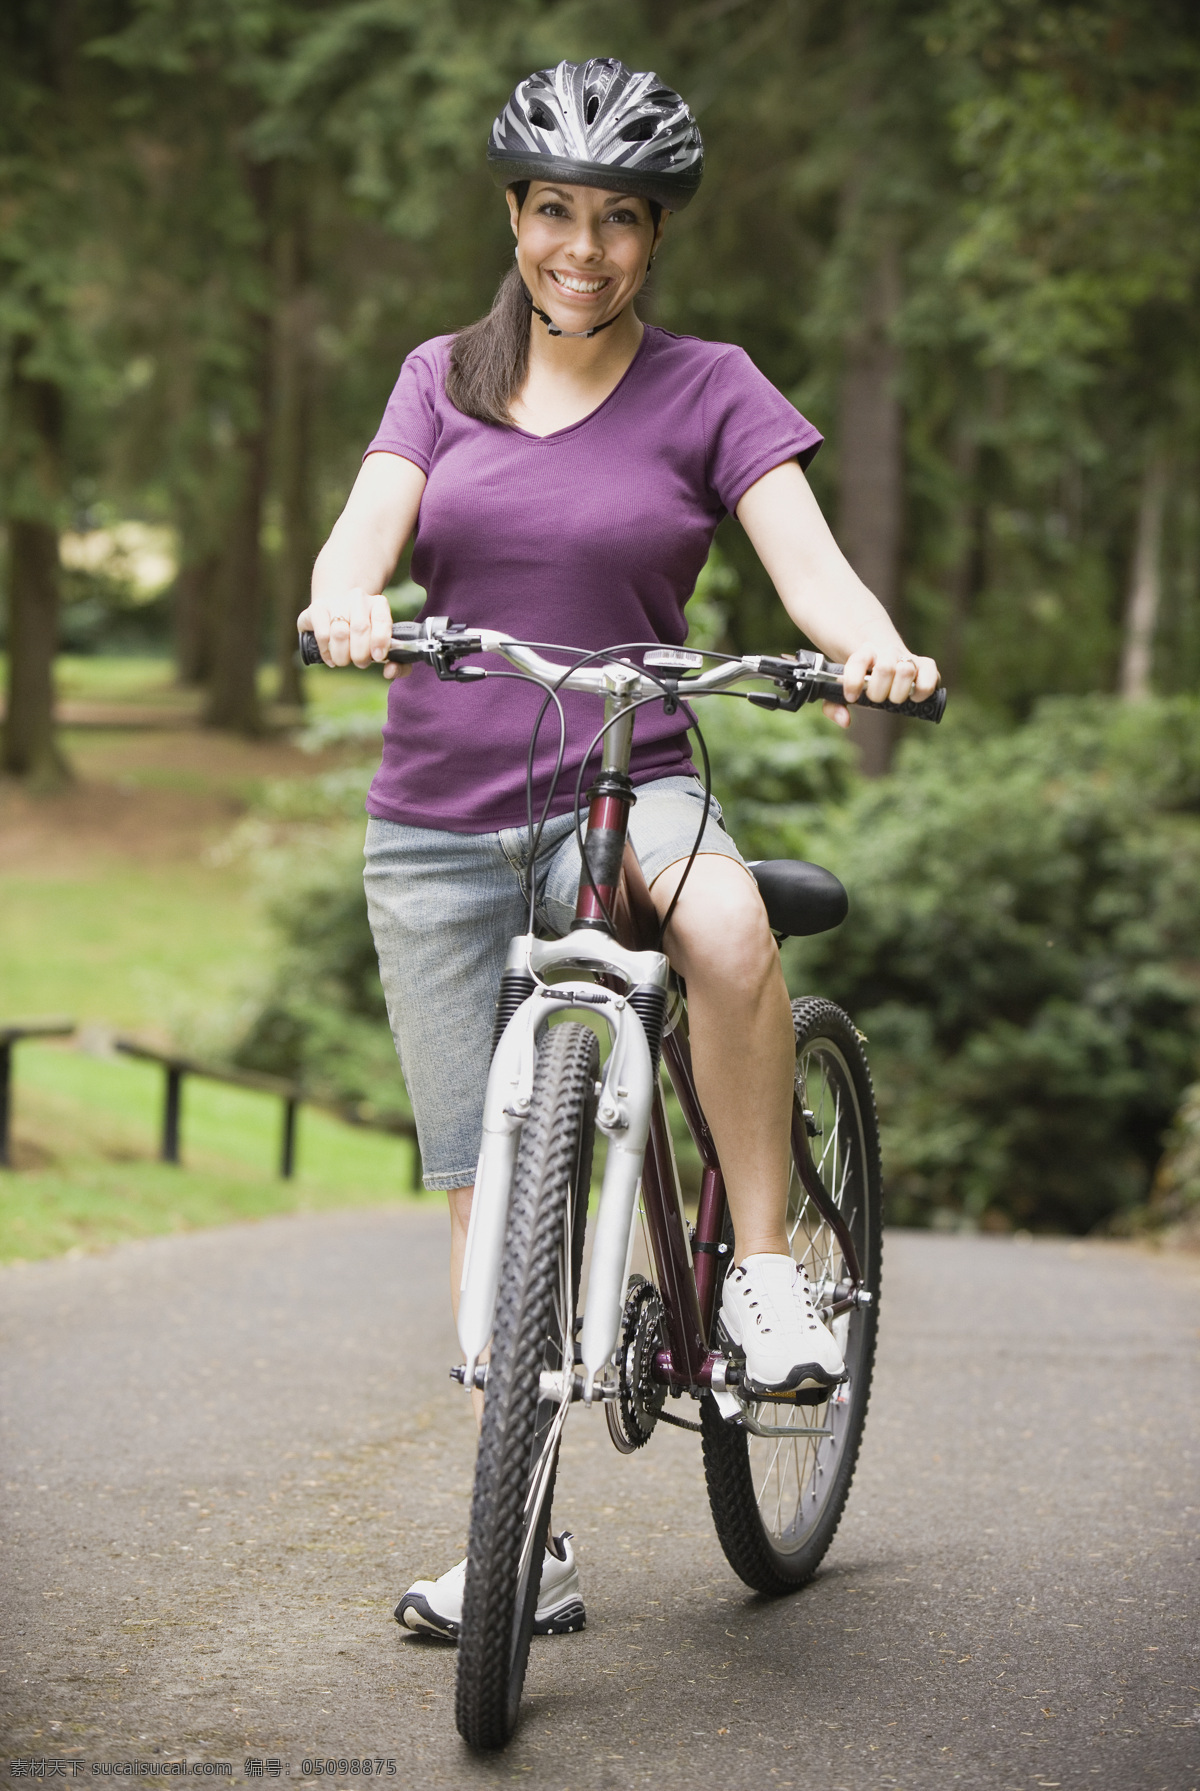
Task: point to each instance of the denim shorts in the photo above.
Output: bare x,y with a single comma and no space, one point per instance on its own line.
443,908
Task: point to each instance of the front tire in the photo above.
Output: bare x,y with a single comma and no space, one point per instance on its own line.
534,1331
776,1503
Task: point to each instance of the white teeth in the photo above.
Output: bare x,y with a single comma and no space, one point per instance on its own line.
573,285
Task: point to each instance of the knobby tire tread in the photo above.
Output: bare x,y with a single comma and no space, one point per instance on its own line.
556,1146
725,1448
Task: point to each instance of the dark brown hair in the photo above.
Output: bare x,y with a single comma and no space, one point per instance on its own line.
489,360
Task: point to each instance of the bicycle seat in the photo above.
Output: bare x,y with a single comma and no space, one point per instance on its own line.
800,898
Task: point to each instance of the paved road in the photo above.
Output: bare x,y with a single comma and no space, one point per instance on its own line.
226,1453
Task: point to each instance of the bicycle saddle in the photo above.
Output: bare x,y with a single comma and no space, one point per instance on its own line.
800,898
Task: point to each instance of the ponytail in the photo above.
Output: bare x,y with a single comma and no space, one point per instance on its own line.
489,360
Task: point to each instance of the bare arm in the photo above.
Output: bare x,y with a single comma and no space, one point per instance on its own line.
348,613
823,594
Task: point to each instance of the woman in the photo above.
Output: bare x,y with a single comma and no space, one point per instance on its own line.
565,467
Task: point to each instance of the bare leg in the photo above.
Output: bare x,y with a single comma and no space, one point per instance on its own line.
743,1049
460,1218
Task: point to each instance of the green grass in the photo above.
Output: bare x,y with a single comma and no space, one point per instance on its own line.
162,934
347,691
88,1128
130,681
165,948
83,679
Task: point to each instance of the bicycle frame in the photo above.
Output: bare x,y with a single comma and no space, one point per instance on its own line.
615,940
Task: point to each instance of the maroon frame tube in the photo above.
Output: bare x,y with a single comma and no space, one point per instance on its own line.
710,1215
606,814
686,1329
817,1193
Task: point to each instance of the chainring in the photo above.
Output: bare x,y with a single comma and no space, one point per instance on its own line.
635,1411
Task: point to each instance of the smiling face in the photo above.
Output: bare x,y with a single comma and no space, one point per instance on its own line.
582,252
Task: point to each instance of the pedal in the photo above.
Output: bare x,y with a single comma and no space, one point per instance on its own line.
794,1396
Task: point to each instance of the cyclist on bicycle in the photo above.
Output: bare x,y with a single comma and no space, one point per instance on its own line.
565,467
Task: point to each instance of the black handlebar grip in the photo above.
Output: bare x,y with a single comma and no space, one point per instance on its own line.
931,708
310,653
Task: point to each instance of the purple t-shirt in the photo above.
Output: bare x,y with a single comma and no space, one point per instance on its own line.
590,537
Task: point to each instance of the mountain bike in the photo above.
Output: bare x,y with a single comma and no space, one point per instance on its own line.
778,1469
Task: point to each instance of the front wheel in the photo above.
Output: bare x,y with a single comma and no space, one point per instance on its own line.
523,1413
777,1501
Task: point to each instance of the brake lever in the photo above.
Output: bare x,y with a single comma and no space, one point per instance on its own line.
438,642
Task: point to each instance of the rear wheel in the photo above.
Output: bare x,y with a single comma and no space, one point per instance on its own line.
523,1415
777,1501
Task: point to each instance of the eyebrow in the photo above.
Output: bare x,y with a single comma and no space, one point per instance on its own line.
612,199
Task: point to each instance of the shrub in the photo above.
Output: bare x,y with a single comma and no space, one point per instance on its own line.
1022,952
1175,1198
323,1020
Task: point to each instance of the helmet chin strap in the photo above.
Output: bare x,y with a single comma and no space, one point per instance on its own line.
569,335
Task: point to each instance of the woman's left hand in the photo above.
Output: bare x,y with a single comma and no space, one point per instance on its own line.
888,673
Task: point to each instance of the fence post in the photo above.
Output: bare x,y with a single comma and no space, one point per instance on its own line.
170,1137
287,1153
6,1051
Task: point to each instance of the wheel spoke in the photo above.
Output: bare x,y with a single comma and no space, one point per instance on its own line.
789,1476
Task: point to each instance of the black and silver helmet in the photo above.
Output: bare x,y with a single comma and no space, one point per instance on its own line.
598,124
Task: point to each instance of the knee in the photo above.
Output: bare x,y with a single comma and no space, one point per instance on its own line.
722,934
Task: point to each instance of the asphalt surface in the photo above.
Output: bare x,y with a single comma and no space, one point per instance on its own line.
225,1454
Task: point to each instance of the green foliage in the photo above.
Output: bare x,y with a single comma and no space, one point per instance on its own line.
323,1020
1021,953
772,773
1176,1194
195,186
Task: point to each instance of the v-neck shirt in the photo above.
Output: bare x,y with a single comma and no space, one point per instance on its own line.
590,537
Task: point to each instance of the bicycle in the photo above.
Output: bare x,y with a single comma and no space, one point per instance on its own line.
778,1469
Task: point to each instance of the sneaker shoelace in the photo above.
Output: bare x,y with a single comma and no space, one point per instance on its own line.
800,1290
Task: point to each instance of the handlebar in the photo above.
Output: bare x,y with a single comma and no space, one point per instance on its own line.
807,678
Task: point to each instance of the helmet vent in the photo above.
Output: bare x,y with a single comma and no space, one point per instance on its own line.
599,123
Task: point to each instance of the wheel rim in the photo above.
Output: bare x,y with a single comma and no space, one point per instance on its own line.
793,1477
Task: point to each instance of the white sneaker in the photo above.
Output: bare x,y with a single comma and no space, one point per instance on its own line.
767,1311
434,1607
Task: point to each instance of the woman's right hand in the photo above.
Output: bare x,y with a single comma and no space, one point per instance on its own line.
353,629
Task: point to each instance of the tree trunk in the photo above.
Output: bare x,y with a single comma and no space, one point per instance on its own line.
294,437
195,599
37,415
871,467
239,610
237,636
964,578
1145,583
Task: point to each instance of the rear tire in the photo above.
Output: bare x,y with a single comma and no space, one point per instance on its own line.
534,1331
777,1503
